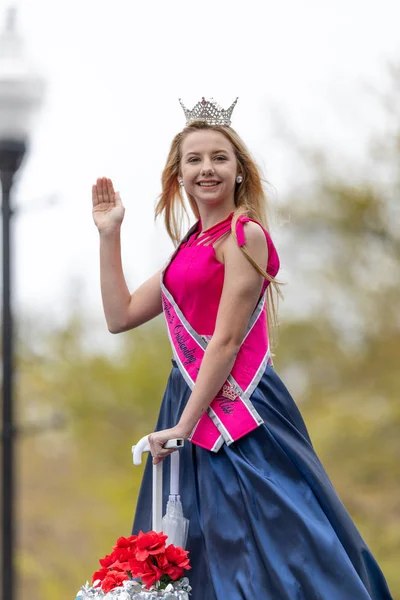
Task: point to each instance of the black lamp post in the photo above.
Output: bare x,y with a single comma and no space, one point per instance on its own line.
20,93
11,154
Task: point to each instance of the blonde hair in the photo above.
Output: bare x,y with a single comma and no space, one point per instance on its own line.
250,199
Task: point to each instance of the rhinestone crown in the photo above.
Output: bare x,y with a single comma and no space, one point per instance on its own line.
209,111
229,392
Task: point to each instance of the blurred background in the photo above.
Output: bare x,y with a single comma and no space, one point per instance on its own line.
319,107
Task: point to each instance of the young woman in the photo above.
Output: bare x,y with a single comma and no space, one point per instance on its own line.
265,520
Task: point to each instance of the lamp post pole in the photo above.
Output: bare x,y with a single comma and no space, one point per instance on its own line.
21,92
11,154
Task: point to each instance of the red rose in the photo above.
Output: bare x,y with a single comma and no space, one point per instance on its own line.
150,543
144,556
135,567
150,573
108,560
121,566
123,554
100,574
162,561
113,579
125,548
116,560
178,561
124,542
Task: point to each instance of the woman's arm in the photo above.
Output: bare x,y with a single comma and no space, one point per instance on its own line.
241,292
124,311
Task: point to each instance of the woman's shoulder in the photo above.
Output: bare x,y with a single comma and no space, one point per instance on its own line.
255,236
251,230
250,238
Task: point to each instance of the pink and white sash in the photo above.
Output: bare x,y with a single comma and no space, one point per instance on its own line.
231,415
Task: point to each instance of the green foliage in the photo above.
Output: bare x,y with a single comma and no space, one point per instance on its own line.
77,486
342,356
349,401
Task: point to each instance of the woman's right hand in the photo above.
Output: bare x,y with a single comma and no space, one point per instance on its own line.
108,210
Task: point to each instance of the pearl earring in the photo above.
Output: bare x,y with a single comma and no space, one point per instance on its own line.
239,179
181,182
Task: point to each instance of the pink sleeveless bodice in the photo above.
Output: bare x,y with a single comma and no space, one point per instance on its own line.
195,277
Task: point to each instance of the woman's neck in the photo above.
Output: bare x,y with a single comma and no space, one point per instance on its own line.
211,215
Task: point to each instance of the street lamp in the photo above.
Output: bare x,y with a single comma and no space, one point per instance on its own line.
21,92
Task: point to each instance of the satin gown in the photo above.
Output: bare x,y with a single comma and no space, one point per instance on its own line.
265,520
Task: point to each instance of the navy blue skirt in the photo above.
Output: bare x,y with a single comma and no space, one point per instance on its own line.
265,520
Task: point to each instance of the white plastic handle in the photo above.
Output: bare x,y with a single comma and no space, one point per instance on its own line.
139,448
143,446
157,497
137,451
174,477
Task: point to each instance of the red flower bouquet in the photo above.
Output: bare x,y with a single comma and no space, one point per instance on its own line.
141,566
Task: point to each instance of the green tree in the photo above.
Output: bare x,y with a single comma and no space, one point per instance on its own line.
77,487
342,355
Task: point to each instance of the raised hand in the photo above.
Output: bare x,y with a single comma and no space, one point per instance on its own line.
108,210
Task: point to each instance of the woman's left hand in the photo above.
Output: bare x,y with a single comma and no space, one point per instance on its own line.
159,438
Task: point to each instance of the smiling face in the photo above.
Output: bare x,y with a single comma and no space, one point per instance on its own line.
209,168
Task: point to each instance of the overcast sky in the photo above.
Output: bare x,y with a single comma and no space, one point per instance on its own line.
115,71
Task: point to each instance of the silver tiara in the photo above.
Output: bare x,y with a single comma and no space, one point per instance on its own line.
209,111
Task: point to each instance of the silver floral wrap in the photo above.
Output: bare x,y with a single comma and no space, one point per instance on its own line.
133,590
